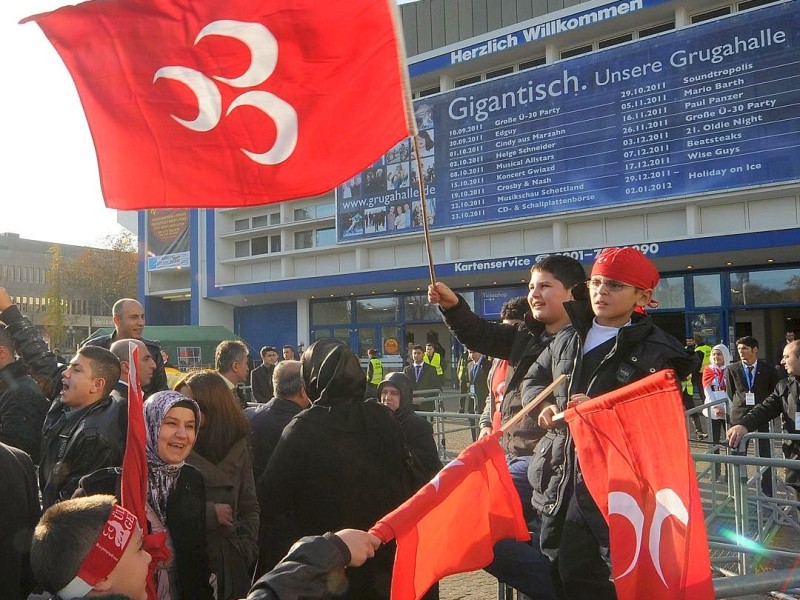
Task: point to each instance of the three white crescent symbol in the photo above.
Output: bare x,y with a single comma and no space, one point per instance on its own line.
263,49
668,504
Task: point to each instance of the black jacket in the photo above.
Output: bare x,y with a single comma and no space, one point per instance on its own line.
314,568
19,513
417,431
71,448
338,464
639,350
22,410
766,378
186,523
159,381
267,423
783,401
520,345
261,383
428,380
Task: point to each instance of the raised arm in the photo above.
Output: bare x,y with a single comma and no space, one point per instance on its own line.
476,333
32,349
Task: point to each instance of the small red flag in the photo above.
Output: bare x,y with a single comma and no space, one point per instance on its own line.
233,102
634,455
433,540
133,488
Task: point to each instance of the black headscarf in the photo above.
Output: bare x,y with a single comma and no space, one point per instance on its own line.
403,383
332,374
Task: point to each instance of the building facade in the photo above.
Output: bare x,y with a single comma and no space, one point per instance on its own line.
545,128
26,273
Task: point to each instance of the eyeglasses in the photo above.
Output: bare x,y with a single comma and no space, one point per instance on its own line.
611,285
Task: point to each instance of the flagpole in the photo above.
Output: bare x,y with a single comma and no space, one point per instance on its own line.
531,405
425,228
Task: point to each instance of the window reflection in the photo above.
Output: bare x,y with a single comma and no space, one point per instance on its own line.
765,287
669,293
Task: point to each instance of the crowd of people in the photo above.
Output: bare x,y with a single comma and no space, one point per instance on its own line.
327,449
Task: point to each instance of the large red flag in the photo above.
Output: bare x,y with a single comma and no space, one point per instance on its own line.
634,455
133,488
233,102
433,538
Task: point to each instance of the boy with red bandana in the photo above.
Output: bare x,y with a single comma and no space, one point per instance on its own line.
614,345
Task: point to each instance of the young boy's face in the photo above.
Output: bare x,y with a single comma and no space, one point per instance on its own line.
546,297
613,302
129,577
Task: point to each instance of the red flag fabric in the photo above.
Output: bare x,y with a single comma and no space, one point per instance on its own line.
233,102
433,538
634,454
133,488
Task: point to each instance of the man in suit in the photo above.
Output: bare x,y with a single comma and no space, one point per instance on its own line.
422,375
748,382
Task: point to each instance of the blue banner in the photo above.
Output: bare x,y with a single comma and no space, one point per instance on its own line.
708,108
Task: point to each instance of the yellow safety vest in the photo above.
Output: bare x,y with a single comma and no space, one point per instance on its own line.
377,371
435,362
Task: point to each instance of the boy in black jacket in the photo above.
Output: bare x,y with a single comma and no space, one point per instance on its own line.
606,349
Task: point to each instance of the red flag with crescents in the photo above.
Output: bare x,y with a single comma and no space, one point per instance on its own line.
433,540
233,102
634,454
133,488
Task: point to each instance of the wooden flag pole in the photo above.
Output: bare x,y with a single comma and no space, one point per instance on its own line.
423,200
531,405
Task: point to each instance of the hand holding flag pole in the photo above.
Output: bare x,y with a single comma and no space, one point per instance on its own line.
533,404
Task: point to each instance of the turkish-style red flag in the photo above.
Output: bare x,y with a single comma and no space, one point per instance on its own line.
634,454
233,102
433,538
133,488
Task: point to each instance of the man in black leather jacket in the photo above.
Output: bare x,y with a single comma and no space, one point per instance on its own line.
83,429
22,404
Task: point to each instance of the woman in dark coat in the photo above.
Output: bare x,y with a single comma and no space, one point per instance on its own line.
338,464
222,455
396,392
176,498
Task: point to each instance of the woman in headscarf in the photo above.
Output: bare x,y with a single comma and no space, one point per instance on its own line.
338,464
397,394
714,388
222,455
176,498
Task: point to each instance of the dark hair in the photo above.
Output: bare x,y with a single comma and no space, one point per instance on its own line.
224,424
229,352
418,347
515,309
64,536
286,379
568,271
747,340
426,137
105,365
266,349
